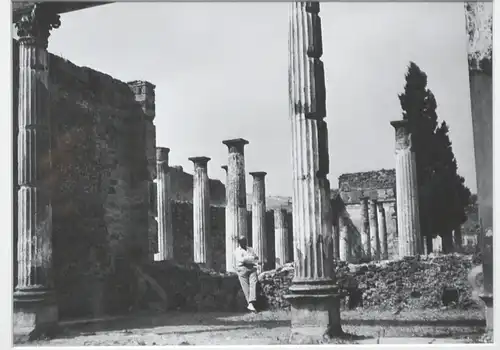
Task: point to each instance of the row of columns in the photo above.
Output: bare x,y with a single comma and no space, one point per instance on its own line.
373,232
236,211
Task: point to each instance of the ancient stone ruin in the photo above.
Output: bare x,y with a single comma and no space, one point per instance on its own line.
101,217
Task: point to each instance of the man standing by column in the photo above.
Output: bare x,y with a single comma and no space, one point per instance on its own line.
246,268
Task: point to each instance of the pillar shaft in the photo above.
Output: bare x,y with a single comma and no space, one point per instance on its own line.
382,232
406,192
236,201
374,233
259,237
365,229
344,240
479,25
201,212
164,212
313,298
335,233
281,234
34,303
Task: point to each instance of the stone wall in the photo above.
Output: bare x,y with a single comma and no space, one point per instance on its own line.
379,185
380,179
99,188
411,283
182,219
182,187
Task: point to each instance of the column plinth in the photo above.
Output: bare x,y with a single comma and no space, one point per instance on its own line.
365,229
382,232
259,237
164,208
35,307
406,192
201,212
374,233
313,295
281,235
236,200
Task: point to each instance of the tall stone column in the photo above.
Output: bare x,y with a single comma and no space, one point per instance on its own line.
236,201
344,240
35,307
382,232
259,237
479,22
365,228
201,212
281,237
406,192
374,234
313,294
164,211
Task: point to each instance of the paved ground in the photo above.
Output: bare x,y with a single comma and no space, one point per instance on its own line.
267,328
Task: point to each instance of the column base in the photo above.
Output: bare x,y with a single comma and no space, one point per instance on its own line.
35,315
315,311
489,310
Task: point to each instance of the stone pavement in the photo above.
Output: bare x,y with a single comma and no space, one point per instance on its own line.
266,328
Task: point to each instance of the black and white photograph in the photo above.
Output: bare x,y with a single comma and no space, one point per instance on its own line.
249,173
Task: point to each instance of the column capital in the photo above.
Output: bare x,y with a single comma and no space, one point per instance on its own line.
34,27
235,145
403,136
200,161
162,154
373,201
258,174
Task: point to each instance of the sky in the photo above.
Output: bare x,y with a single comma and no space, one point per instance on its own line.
221,72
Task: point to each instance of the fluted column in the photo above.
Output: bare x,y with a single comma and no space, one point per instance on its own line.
281,237
201,212
236,200
374,234
406,192
479,27
259,237
365,228
35,308
313,293
336,235
382,232
344,240
164,212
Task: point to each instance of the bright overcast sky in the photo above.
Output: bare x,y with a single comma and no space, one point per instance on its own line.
220,71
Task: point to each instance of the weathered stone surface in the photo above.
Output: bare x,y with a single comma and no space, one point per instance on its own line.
313,288
164,207
34,304
412,283
365,229
281,234
409,238
182,218
374,234
191,288
99,187
479,24
368,180
382,231
259,236
201,212
236,201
